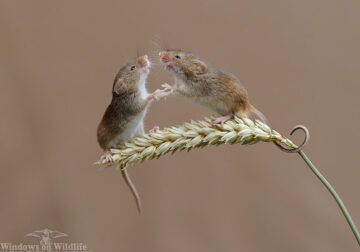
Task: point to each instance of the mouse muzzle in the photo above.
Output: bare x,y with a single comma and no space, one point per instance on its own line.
144,64
143,61
164,57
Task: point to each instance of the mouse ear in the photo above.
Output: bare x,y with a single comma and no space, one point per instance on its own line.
119,87
200,67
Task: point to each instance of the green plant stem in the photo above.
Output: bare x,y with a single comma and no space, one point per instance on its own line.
334,194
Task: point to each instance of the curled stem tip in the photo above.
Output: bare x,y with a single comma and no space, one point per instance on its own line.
301,146
196,134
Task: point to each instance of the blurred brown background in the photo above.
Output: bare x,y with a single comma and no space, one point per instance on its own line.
300,63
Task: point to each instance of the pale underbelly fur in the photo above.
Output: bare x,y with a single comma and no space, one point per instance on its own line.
136,125
204,101
133,128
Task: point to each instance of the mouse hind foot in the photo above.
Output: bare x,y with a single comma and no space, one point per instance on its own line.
222,119
153,130
107,157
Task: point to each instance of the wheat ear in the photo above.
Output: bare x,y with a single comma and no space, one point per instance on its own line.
192,135
198,134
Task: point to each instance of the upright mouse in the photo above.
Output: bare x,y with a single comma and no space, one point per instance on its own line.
219,90
124,117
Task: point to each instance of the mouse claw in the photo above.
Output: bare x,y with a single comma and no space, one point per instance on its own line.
107,157
154,96
153,130
168,87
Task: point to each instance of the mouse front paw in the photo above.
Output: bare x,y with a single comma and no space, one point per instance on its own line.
159,94
167,87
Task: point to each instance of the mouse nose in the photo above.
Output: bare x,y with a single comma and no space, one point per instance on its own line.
143,61
164,57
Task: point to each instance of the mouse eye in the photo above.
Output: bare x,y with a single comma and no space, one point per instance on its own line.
178,57
132,68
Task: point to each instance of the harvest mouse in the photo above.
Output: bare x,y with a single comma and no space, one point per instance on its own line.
216,89
124,117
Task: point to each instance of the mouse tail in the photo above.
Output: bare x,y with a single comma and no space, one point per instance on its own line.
259,115
262,117
132,188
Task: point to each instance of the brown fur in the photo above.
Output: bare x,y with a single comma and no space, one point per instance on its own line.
122,119
123,108
118,115
219,90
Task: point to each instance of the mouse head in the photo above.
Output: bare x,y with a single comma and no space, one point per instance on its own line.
183,64
131,75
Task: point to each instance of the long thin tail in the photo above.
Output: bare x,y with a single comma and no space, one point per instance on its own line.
259,115
263,118
132,188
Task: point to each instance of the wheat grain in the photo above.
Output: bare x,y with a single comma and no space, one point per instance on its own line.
192,135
